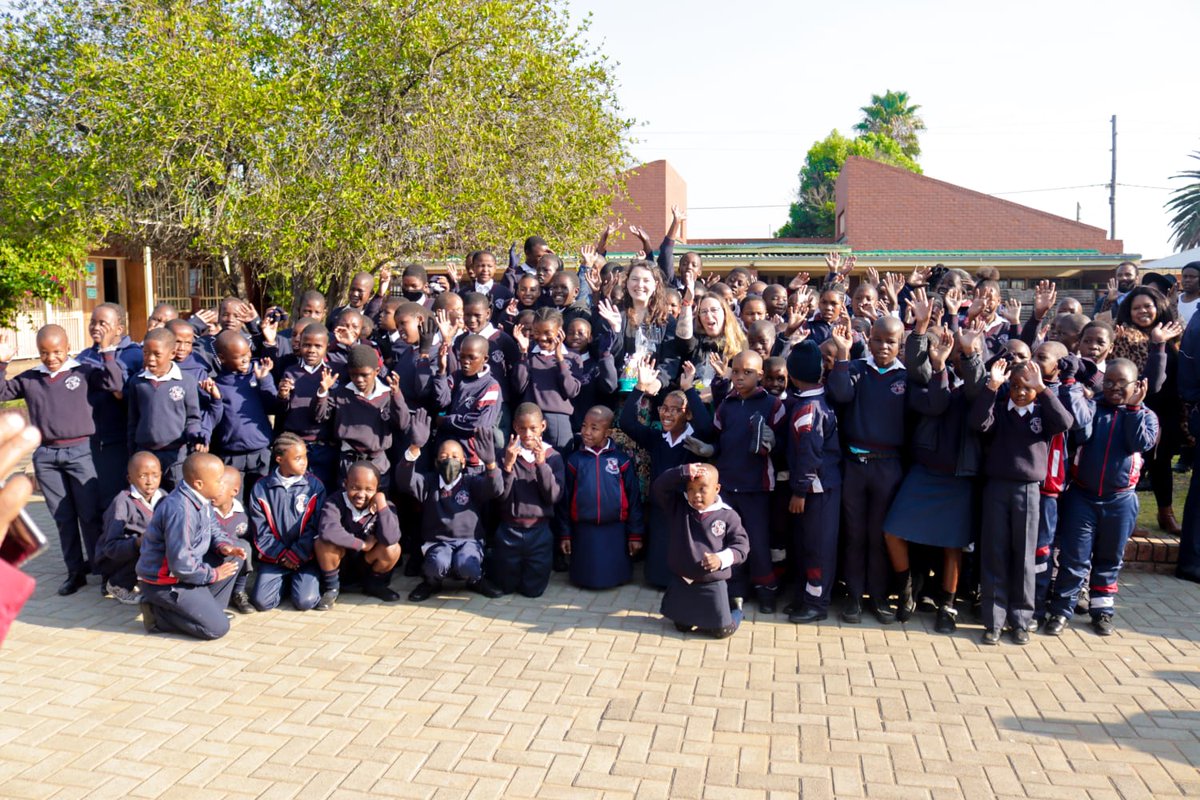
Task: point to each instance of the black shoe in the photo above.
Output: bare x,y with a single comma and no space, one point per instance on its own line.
852,612
905,609
793,608
947,620
379,589
1055,625
1020,636
559,564
807,615
241,603
74,582
766,598
882,612
679,626
486,588
328,598
990,637
1102,624
424,591
149,621
412,567
1036,624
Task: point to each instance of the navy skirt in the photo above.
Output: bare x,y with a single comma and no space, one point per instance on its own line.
931,508
705,605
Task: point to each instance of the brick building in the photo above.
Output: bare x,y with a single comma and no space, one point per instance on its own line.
652,189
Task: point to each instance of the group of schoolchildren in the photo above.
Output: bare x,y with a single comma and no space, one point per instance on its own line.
495,429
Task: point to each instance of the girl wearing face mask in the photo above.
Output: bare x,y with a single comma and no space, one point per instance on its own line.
1146,332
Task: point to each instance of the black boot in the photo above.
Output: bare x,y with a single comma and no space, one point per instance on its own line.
766,598
907,605
852,611
376,585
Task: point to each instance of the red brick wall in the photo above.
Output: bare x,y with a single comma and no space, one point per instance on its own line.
888,208
653,188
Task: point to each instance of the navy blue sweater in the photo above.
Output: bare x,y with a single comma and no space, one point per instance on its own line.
874,404
125,519
1019,445
694,533
814,455
61,407
542,379
165,413
338,525
295,414
449,514
362,425
531,489
663,454
241,420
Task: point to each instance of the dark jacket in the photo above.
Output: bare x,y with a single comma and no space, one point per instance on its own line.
452,514
1018,445
181,533
602,488
694,533
284,517
1110,461
338,525
814,455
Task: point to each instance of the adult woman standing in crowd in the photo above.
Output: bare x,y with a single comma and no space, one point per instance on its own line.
717,335
1146,321
641,324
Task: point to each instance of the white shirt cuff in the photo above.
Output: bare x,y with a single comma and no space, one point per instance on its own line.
726,558
408,455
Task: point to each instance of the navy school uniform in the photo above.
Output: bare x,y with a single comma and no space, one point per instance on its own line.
540,378
167,417
873,428
109,444
814,457
59,406
598,383
177,567
236,525
295,415
497,295
414,371
503,354
284,514
242,431
696,597
125,519
1015,464
347,527
605,510
1099,511
363,424
451,524
747,479
196,365
523,548
666,453
469,404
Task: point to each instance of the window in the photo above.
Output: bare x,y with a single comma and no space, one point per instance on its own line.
176,282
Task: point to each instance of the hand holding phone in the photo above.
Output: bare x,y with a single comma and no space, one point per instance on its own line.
20,538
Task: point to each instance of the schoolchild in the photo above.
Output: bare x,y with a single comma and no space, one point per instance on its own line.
241,435
545,375
358,526
125,522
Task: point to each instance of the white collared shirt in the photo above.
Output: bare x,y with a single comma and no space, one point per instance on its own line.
159,494
607,444
287,481
820,390
487,331
685,433
173,374
380,389
484,288
870,359
234,508
447,487
1021,410
725,556
311,370
70,363
355,513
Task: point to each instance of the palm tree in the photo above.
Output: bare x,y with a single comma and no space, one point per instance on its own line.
1185,202
891,115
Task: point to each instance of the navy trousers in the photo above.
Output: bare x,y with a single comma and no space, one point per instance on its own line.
814,545
303,586
1043,561
1092,538
111,460
754,508
462,559
323,462
67,478
196,611
171,460
521,558
254,466
1010,529
1189,537
868,489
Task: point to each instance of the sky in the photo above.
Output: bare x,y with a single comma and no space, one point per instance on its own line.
1017,98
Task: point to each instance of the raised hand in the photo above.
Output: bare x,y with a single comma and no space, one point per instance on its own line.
975,309
922,309
591,276
843,338
419,428
970,337
998,374
587,255
428,334
512,452
328,379
445,325
801,280
270,329
1113,290
610,314
560,346
393,382
1011,310
678,214
1033,376
1044,296
1141,388
919,276
687,376
8,346
647,375
720,366
263,368
940,347
893,282
872,276
285,388
521,338
385,279
209,318
485,445
454,273
1165,332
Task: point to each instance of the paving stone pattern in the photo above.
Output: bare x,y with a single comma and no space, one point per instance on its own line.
591,695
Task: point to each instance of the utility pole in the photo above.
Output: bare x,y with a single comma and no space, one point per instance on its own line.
1078,211
1112,187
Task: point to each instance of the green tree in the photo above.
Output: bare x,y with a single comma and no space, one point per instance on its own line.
812,213
890,114
305,140
1185,203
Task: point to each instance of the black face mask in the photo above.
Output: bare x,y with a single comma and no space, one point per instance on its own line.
450,469
414,297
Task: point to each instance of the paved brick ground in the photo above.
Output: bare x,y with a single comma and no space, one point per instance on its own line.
583,695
